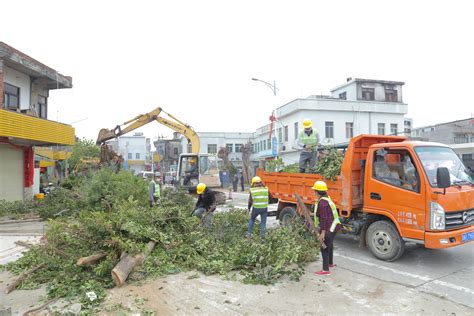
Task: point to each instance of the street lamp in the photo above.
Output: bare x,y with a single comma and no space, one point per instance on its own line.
271,86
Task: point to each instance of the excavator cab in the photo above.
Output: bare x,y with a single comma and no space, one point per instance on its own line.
193,169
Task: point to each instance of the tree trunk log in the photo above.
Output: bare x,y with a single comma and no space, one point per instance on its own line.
127,263
91,259
22,277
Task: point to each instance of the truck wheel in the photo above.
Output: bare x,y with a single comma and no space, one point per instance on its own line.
384,241
287,215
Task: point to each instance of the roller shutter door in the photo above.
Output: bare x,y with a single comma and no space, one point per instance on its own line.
11,173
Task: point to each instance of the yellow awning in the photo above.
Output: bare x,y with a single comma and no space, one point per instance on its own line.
136,162
45,163
32,130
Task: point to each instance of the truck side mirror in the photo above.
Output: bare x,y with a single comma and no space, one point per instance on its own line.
442,178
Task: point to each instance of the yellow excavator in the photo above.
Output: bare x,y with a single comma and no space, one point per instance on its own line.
193,167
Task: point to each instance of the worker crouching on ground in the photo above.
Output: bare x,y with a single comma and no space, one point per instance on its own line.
309,141
258,198
154,191
327,218
205,205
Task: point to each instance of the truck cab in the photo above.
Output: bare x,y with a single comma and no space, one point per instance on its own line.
425,191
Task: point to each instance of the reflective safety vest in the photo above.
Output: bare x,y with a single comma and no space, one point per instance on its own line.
334,213
309,141
157,190
259,197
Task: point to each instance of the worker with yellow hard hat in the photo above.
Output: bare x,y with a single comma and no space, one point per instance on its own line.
192,172
258,202
308,140
327,218
205,204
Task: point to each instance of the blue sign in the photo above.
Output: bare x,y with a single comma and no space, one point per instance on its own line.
274,146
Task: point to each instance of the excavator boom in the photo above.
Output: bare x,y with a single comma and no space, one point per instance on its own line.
140,120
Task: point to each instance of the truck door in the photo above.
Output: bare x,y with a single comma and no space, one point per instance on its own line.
394,185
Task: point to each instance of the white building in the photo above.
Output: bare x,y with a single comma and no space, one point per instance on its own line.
211,143
134,150
359,106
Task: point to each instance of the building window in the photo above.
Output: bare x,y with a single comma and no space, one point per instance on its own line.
42,107
297,131
175,151
349,129
129,155
190,148
329,129
229,147
381,128
264,144
11,97
269,143
394,129
368,94
280,135
239,148
286,133
137,156
391,95
343,96
212,148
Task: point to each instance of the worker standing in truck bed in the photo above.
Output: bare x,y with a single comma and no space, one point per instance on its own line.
308,140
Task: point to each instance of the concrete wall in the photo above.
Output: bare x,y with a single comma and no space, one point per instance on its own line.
21,81
350,90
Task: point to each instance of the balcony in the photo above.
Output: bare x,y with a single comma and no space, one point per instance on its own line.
463,140
29,130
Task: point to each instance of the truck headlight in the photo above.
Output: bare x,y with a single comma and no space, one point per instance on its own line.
437,218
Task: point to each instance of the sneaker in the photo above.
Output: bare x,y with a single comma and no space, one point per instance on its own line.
322,272
332,265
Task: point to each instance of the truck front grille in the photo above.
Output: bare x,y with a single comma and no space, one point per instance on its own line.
459,218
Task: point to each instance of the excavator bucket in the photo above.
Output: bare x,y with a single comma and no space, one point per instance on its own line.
104,134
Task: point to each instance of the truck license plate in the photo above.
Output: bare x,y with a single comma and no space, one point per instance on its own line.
467,236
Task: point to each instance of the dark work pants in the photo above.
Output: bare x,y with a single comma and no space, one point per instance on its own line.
305,159
328,252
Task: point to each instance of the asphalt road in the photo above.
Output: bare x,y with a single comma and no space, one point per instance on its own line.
444,273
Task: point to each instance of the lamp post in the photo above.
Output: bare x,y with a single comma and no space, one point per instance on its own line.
271,86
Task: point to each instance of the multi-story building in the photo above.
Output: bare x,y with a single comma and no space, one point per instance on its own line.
24,94
212,142
359,106
134,150
457,134
168,151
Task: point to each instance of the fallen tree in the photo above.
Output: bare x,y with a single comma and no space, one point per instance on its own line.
111,237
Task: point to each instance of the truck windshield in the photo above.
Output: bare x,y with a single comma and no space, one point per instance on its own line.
434,157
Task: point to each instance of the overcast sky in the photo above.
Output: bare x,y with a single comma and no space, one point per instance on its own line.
195,59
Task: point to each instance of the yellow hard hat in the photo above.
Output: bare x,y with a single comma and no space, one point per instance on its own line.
307,123
255,179
320,186
192,160
200,188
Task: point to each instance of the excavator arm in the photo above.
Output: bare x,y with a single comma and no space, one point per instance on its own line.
140,120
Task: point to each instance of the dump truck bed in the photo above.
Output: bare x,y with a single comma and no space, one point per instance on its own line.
346,190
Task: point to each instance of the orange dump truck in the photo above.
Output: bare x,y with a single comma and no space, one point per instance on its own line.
390,191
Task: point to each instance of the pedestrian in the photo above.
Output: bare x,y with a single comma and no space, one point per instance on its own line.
235,181
154,191
327,218
258,202
242,181
308,140
205,205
